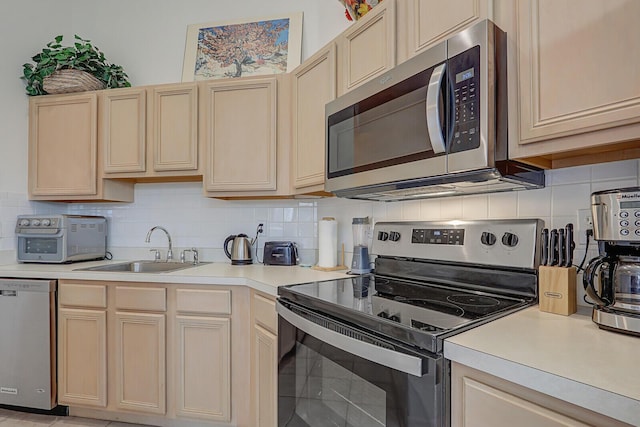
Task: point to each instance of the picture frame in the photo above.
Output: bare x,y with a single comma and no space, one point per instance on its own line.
258,46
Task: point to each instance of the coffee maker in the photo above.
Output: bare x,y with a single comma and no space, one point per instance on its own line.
612,280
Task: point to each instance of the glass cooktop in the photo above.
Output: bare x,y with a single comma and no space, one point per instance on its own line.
412,312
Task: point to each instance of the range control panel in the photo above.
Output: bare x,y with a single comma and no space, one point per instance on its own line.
511,243
438,236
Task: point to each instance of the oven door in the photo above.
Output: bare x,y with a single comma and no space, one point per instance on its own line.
331,374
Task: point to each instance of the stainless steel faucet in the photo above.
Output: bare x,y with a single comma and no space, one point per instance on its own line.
170,251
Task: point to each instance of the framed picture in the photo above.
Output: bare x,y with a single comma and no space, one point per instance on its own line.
238,49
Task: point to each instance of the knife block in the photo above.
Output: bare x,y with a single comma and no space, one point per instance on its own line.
557,290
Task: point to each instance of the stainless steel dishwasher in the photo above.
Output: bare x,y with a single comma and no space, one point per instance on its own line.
28,343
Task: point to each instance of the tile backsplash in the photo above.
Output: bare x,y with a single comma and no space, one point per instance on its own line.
194,220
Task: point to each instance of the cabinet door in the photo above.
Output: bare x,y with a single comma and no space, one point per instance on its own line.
240,135
580,74
431,21
314,84
204,367
368,48
82,357
140,378
173,127
484,405
265,365
63,145
123,130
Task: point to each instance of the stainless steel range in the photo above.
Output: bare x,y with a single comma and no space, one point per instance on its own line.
368,350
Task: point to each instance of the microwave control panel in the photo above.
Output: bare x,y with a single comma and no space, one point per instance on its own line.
465,78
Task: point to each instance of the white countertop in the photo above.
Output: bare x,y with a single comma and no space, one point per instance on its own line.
264,278
567,357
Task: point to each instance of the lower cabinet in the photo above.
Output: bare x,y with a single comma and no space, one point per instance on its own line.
82,357
264,360
479,399
140,362
161,354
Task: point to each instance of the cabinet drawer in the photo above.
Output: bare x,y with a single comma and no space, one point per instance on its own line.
81,295
147,299
264,312
203,301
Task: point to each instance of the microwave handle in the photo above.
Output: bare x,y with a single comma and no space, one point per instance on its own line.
433,109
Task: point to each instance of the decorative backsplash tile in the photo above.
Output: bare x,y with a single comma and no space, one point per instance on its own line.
194,220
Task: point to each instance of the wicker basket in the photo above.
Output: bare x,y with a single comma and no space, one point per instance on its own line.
70,80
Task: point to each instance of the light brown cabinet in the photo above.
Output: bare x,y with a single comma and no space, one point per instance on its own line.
314,84
150,133
578,100
240,137
367,48
82,352
64,159
82,344
264,360
156,354
479,399
140,369
428,22
203,354
246,133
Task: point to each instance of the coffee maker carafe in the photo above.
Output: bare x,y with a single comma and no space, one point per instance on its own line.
612,280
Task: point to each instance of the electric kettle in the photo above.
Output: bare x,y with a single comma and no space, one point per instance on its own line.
240,249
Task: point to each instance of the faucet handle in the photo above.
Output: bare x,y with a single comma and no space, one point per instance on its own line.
195,255
157,254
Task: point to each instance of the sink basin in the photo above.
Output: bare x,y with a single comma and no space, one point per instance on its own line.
142,267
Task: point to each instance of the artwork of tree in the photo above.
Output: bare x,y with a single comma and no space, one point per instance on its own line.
242,49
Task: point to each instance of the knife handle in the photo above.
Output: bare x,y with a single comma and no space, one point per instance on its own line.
561,248
553,247
570,244
544,246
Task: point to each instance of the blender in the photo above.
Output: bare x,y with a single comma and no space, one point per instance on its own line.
360,263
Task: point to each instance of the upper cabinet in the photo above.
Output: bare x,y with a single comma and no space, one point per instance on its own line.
64,160
314,84
245,131
367,48
579,98
150,133
428,22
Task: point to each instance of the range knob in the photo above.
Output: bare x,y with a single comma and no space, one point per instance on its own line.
35,222
383,235
24,222
509,239
46,222
394,236
487,238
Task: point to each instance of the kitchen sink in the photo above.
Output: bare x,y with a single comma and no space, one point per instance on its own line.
144,266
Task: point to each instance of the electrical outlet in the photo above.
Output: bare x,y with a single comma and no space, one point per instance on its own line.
585,222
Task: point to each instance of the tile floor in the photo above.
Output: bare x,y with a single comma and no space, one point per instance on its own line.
22,419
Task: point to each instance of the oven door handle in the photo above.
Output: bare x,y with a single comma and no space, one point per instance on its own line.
391,359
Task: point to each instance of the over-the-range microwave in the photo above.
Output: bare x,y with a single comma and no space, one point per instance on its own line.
435,125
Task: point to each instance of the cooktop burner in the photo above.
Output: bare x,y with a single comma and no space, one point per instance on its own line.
476,300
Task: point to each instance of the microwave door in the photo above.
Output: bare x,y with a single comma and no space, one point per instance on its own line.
396,134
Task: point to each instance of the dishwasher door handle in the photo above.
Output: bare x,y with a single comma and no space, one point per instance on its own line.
8,293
